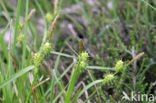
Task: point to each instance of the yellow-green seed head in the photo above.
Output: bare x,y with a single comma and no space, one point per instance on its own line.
20,26
49,18
20,38
37,59
119,66
83,56
83,61
46,48
82,66
108,78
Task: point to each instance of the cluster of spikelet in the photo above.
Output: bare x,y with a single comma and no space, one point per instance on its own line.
83,61
110,77
39,56
45,49
49,18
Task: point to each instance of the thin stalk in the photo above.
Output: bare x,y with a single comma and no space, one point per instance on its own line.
72,83
33,83
17,22
25,35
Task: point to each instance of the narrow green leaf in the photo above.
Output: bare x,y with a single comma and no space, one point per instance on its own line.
15,76
100,68
88,86
62,54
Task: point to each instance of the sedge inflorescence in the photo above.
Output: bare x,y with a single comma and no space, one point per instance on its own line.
108,78
20,26
119,66
39,56
46,48
49,17
37,59
83,61
20,38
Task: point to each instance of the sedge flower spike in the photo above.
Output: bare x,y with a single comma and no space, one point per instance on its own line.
37,59
20,26
119,66
20,38
109,78
49,18
77,71
46,48
83,56
83,61
82,66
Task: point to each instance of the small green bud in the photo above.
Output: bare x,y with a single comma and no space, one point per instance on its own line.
20,38
83,56
49,18
20,26
46,48
109,78
119,66
37,59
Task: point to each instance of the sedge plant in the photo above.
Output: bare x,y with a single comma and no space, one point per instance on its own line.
76,72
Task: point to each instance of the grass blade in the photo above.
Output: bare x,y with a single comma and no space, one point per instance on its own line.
100,68
88,86
15,76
